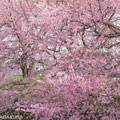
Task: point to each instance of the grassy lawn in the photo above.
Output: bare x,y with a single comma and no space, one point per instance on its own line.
36,78
17,77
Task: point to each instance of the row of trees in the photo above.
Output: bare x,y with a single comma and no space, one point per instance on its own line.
33,30
78,39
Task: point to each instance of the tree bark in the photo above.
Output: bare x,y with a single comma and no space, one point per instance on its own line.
27,71
24,71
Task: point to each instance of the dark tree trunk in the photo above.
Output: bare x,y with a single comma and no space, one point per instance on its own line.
24,71
27,71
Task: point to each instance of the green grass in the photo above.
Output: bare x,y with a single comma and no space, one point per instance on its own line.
33,80
36,78
16,77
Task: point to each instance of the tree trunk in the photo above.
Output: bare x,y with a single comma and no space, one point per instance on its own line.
24,71
27,71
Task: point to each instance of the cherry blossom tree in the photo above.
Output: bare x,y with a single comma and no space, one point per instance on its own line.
16,35
83,40
90,30
25,34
